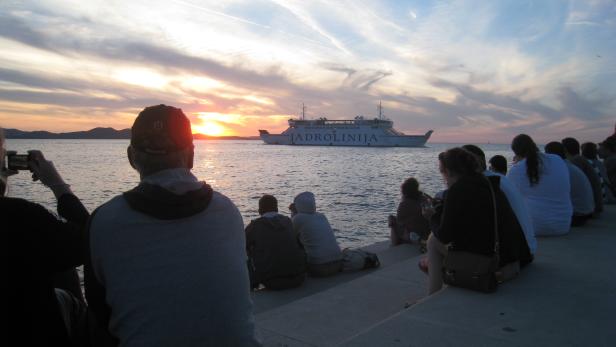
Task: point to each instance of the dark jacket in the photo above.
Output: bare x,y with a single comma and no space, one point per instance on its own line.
594,179
466,220
273,249
35,247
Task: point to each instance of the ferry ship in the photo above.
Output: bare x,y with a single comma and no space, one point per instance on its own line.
377,132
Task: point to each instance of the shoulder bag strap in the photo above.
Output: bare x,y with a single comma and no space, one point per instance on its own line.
496,240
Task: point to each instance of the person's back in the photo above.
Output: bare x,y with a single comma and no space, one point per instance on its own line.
514,198
315,232
276,258
607,151
167,259
518,206
548,200
572,148
409,225
581,191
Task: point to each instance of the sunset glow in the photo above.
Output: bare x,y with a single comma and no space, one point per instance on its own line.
472,71
210,128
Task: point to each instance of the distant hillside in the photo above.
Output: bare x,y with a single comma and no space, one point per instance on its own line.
100,134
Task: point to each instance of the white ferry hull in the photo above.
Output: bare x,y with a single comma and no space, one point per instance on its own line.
344,138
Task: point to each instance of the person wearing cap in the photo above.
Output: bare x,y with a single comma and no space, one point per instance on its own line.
43,301
166,261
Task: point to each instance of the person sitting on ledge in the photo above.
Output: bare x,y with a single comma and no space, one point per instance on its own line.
543,180
276,259
572,150
515,198
590,153
465,219
166,260
43,304
498,164
316,235
409,225
581,191
607,152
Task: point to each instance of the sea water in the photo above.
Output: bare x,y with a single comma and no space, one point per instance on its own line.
355,187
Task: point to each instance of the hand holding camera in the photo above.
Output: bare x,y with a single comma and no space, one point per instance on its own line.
41,168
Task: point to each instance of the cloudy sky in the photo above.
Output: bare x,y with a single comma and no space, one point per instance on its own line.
473,71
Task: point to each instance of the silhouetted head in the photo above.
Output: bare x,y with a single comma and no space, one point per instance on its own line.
268,203
525,148
305,203
481,156
572,146
457,162
161,139
589,150
607,148
410,188
498,164
556,148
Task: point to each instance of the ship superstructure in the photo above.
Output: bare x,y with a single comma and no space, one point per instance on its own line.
377,132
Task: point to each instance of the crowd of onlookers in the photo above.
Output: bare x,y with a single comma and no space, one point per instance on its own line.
170,263
542,194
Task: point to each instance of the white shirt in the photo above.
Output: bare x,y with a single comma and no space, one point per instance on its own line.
549,200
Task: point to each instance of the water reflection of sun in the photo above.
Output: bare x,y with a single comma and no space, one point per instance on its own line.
211,128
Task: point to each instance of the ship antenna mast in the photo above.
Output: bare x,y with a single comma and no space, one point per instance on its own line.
303,111
380,108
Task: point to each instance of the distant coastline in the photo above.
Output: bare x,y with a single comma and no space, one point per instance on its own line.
100,134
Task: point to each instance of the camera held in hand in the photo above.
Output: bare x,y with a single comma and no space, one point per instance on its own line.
17,161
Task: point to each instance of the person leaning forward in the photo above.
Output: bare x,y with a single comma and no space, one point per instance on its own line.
276,258
167,263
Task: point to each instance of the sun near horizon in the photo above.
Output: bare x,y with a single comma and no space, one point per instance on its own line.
210,128
215,123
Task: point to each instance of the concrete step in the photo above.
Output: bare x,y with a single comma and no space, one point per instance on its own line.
566,297
265,300
332,316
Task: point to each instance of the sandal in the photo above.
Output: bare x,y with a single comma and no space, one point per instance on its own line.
423,265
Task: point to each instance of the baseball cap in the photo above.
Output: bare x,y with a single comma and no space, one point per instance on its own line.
161,130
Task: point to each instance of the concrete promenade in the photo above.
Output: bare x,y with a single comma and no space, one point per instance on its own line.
566,297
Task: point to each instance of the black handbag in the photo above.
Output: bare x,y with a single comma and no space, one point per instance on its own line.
471,270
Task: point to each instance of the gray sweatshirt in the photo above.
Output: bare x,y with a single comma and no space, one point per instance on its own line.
314,231
169,259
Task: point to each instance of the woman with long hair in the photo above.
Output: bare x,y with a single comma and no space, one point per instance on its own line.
543,180
465,219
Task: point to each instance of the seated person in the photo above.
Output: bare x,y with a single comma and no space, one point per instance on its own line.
498,164
590,152
515,198
44,305
581,191
607,152
572,151
543,180
466,219
409,224
276,259
316,235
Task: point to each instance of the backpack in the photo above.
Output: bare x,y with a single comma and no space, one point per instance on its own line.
357,259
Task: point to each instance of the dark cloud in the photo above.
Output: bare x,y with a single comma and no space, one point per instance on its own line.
15,29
